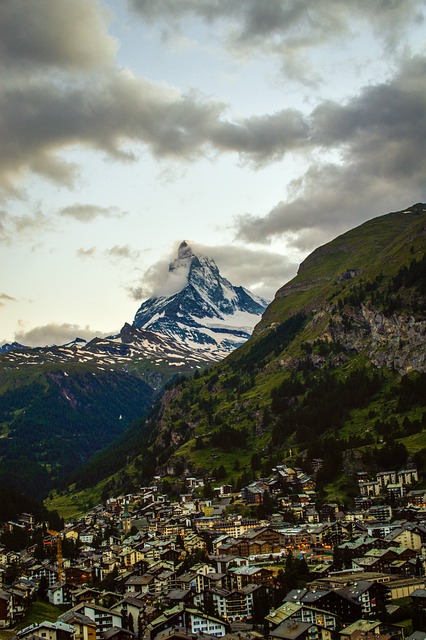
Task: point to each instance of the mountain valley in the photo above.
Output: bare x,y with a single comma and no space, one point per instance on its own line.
61,404
334,370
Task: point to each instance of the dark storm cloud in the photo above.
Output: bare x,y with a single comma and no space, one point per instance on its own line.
55,33
380,136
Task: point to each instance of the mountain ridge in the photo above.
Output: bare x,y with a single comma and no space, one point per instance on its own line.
198,324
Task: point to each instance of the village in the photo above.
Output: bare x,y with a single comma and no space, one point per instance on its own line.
263,562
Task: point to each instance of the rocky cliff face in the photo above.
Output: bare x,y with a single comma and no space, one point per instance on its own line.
397,342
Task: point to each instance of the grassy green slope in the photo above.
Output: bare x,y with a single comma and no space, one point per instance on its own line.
381,245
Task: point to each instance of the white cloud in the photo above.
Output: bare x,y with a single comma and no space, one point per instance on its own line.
55,334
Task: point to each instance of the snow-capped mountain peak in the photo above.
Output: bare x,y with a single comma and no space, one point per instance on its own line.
184,251
207,313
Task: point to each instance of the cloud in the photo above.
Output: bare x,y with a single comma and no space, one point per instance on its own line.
158,280
263,139
86,253
122,252
109,110
379,135
55,334
119,110
294,32
14,227
55,33
88,212
286,28
260,271
5,298
114,254
114,109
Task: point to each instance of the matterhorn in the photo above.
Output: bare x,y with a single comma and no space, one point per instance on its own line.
206,313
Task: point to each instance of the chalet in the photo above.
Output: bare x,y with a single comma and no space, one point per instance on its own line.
331,533
303,613
294,630
210,580
418,598
43,570
376,560
105,618
253,494
384,478
406,538
49,630
395,491
242,576
369,488
223,563
78,575
85,594
84,627
193,620
274,540
186,581
238,605
132,609
179,596
139,584
360,628
118,633
407,476
19,600
60,594
192,542
380,512
356,601
416,497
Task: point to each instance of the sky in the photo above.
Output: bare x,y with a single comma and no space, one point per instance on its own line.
256,130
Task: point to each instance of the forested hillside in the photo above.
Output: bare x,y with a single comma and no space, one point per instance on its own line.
53,419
